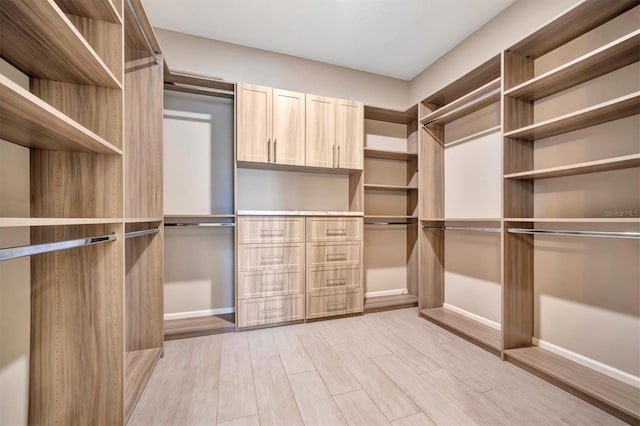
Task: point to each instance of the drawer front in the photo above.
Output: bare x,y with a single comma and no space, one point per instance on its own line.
334,229
270,310
326,254
335,280
328,304
270,229
270,256
270,283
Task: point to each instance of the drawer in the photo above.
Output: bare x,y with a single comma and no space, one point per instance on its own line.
325,254
334,279
270,229
334,229
270,283
270,310
328,304
270,256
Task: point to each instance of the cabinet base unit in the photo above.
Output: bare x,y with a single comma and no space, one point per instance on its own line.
270,310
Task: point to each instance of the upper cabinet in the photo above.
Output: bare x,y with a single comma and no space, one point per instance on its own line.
290,128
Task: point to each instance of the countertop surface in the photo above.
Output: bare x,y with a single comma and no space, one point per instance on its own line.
297,213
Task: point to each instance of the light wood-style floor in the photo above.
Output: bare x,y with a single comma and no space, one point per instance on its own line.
378,369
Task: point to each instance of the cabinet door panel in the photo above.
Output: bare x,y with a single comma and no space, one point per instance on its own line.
321,131
254,122
288,127
349,134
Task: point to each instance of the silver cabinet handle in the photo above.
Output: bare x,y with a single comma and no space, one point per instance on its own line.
275,159
333,160
269,150
338,156
336,231
337,306
336,257
333,282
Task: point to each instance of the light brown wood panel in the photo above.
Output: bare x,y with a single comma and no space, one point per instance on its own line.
40,40
75,184
431,176
138,368
133,35
356,192
97,108
186,328
516,69
269,310
143,146
270,283
288,127
144,290
106,40
102,10
391,116
477,332
349,134
387,303
517,290
254,123
77,326
334,279
608,164
320,140
270,229
413,259
431,291
340,253
334,229
323,304
252,257
27,120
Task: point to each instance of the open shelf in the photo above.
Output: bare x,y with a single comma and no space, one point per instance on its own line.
616,163
481,333
375,187
11,222
391,116
138,368
388,154
29,121
382,216
608,58
473,101
199,216
385,303
614,109
200,326
473,136
591,385
102,10
463,219
143,219
60,55
574,219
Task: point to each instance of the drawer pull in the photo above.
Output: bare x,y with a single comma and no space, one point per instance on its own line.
273,259
273,286
334,282
272,311
336,306
336,231
272,233
336,257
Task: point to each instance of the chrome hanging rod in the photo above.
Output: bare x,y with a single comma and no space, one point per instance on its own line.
202,224
134,234
463,107
597,234
16,252
389,223
136,18
463,228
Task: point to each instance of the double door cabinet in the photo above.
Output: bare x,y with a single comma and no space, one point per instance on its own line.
291,128
292,268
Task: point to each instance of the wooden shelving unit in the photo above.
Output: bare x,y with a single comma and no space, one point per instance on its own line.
138,366
385,303
597,388
200,326
388,154
378,187
101,10
575,219
474,330
12,222
616,163
473,136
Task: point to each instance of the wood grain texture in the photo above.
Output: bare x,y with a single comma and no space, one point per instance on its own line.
333,229
389,154
356,192
334,254
29,121
143,146
413,260
598,166
288,127
144,290
270,229
320,139
359,409
349,134
102,10
385,303
390,116
133,36
263,257
269,310
39,40
138,367
270,283
292,353
73,293
96,108
478,332
419,419
320,305
516,69
431,291
254,123
276,403
74,184
334,279
431,176
316,405
186,328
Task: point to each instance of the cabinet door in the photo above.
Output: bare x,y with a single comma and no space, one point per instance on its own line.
254,123
321,131
349,134
288,127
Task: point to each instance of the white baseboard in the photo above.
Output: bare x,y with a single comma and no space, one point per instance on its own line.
196,314
472,316
386,293
598,366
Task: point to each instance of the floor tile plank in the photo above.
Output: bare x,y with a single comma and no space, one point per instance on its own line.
237,397
276,403
359,410
316,405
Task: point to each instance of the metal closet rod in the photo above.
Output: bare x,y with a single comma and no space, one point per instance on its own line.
463,228
597,234
134,234
463,107
202,224
389,223
30,250
136,18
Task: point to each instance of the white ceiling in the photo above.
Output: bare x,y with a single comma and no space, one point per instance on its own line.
397,38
